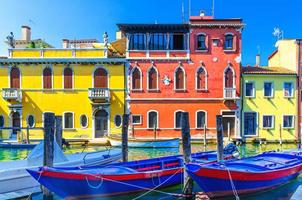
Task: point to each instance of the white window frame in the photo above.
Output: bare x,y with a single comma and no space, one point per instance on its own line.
272,89
234,76
175,118
224,40
185,80
293,122
207,45
73,125
206,79
121,121
140,119
157,119
292,89
81,121
63,79
257,124
27,124
196,117
253,92
273,121
141,79
157,77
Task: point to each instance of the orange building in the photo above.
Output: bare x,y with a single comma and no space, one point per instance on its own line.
191,67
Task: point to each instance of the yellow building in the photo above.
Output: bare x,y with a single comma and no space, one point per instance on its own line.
269,103
84,86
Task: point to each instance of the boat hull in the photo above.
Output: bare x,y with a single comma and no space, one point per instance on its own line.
147,143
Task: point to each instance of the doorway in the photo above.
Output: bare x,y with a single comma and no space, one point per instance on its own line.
16,122
228,123
100,124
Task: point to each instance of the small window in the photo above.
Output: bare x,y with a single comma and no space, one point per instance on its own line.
228,42
288,89
136,119
177,119
268,121
152,119
118,120
84,121
1,121
179,79
288,121
249,89
268,89
201,42
68,120
30,121
201,119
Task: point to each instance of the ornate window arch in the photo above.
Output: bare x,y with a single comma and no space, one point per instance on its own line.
201,78
229,77
47,78
68,78
152,78
100,78
179,78
136,78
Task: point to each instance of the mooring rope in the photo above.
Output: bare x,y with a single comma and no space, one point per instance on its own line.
32,191
232,185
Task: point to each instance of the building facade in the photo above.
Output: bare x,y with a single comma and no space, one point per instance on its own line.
191,67
269,108
84,86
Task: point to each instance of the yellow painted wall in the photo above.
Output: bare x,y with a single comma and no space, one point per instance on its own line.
277,106
36,100
286,55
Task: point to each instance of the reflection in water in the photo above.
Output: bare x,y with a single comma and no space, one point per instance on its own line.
281,193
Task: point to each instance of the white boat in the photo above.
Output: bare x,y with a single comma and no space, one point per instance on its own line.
14,177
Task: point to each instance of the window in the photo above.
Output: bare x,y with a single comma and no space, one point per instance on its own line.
137,41
177,41
68,120
177,122
288,121
250,124
1,121
288,89
47,78
201,42
157,41
100,78
201,79
200,119
268,89
179,79
249,89
31,121
152,79
117,120
136,79
84,121
136,119
68,78
267,121
152,119
15,78
228,42
228,78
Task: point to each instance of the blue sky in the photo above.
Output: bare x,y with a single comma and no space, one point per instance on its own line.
76,19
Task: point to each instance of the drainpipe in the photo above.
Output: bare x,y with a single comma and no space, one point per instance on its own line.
241,105
299,92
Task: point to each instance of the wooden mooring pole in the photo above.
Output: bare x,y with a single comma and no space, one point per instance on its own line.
219,137
204,135
186,146
49,130
125,137
59,131
27,134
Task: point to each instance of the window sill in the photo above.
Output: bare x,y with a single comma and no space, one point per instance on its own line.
229,50
180,90
202,90
135,124
153,90
137,90
268,97
250,97
288,128
69,129
268,128
201,50
288,97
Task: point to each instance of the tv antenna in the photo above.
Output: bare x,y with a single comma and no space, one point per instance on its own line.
213,8
183,12
278,33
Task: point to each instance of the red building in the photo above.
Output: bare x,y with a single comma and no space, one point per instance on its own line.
191,67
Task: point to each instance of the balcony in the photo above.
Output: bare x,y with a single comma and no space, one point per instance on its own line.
99,94
229,93
12,94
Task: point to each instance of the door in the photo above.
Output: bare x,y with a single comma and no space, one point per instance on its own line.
16,122
101,123
228,124
250,124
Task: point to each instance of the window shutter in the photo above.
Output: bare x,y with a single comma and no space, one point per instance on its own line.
47,82
67,78
235,42
179,79
15,78
100,78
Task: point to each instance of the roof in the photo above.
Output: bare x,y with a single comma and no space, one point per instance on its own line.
82,41
158,28
270,56
267,70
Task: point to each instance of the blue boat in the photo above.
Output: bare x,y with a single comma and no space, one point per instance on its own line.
146,143
245,176
120,178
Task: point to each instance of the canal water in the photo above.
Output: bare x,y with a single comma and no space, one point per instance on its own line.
282,193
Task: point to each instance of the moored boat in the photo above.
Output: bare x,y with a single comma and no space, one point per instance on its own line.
120,178
249,175
146,143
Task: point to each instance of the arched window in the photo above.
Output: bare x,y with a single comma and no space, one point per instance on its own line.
201,42
136,79
200,119
15,78
201,79
68,78
179,79
177,119
100,78
30,121
152,119
152,79
229,42
47,78
229,78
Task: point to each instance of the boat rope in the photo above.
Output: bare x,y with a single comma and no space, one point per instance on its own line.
32,191
233,185
97,186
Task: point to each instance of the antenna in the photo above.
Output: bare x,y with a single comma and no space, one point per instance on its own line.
213,8
189,8
278,33
258,49
182,12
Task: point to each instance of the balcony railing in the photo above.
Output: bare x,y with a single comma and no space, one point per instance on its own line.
12,94
99,94
229,93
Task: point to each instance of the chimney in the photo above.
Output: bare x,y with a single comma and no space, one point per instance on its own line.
26,33
65,43
257,60
202,13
